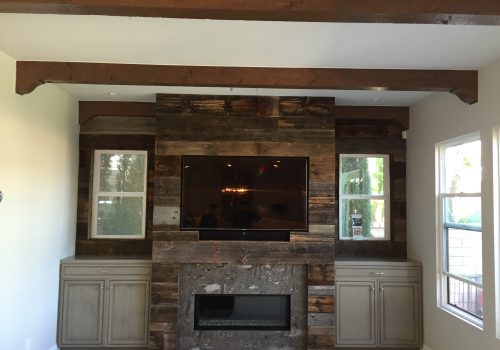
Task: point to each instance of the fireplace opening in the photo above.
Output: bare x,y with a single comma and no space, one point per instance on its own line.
242,312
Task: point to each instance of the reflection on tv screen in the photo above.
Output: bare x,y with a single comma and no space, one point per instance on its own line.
247,193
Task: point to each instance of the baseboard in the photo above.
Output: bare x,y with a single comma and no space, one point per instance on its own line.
425,347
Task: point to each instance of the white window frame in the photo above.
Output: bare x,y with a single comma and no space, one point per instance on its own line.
496,222
96,193
386,197
442,282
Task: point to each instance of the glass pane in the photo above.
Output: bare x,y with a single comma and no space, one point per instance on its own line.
465,258
122,172
119,216
362,218
466,297
362,175
463,168
463,210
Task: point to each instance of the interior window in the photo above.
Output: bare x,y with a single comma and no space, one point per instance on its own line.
364,201
460,227
119,194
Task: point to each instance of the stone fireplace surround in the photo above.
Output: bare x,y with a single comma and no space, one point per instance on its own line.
227,279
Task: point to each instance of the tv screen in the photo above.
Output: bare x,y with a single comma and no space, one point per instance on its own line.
244,193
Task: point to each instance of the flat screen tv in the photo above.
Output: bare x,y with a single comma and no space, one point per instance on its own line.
229,193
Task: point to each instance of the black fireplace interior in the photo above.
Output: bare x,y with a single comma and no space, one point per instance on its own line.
242,312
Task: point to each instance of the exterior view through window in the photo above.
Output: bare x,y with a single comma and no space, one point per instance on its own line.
460,227
119,194
364,196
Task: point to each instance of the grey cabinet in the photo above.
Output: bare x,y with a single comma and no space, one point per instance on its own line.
104,303
378,304
355,313
82,309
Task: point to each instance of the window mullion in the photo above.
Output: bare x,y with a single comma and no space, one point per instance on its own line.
120,194
464,280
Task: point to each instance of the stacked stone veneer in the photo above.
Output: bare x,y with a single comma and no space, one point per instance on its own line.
244,126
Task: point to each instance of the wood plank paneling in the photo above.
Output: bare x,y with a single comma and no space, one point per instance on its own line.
115,125
321,274
378,136
242,252
214,125
91,109
320,303
286,126
112,247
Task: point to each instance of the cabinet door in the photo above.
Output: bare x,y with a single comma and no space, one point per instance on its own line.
128,313
82,312
399,313
355,313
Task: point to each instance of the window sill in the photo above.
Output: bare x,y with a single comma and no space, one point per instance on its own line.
363,239
467,318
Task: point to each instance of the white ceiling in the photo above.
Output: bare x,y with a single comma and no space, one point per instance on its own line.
245,43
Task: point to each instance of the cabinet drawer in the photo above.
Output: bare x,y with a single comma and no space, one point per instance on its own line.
105,270
394,272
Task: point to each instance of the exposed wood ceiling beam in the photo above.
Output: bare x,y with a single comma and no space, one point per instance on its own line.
92,109
484,12
31,74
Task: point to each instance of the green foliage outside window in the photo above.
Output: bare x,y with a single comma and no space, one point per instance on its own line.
362,177
120,203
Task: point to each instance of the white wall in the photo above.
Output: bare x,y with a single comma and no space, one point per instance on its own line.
38,176
441,117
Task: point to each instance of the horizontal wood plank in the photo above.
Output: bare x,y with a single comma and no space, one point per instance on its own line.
320,303
119,125
321,274
242,252
91,109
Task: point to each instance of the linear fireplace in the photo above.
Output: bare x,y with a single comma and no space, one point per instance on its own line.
242,312
244,307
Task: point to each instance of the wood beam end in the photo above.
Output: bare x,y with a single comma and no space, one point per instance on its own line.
467,95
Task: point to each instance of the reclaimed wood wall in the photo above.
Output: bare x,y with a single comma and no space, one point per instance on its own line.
113,133
377,136
248,126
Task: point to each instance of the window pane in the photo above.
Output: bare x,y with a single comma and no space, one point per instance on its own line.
363,218
466,297
362,175
462,168
119,216
463,210
465,258
121,172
